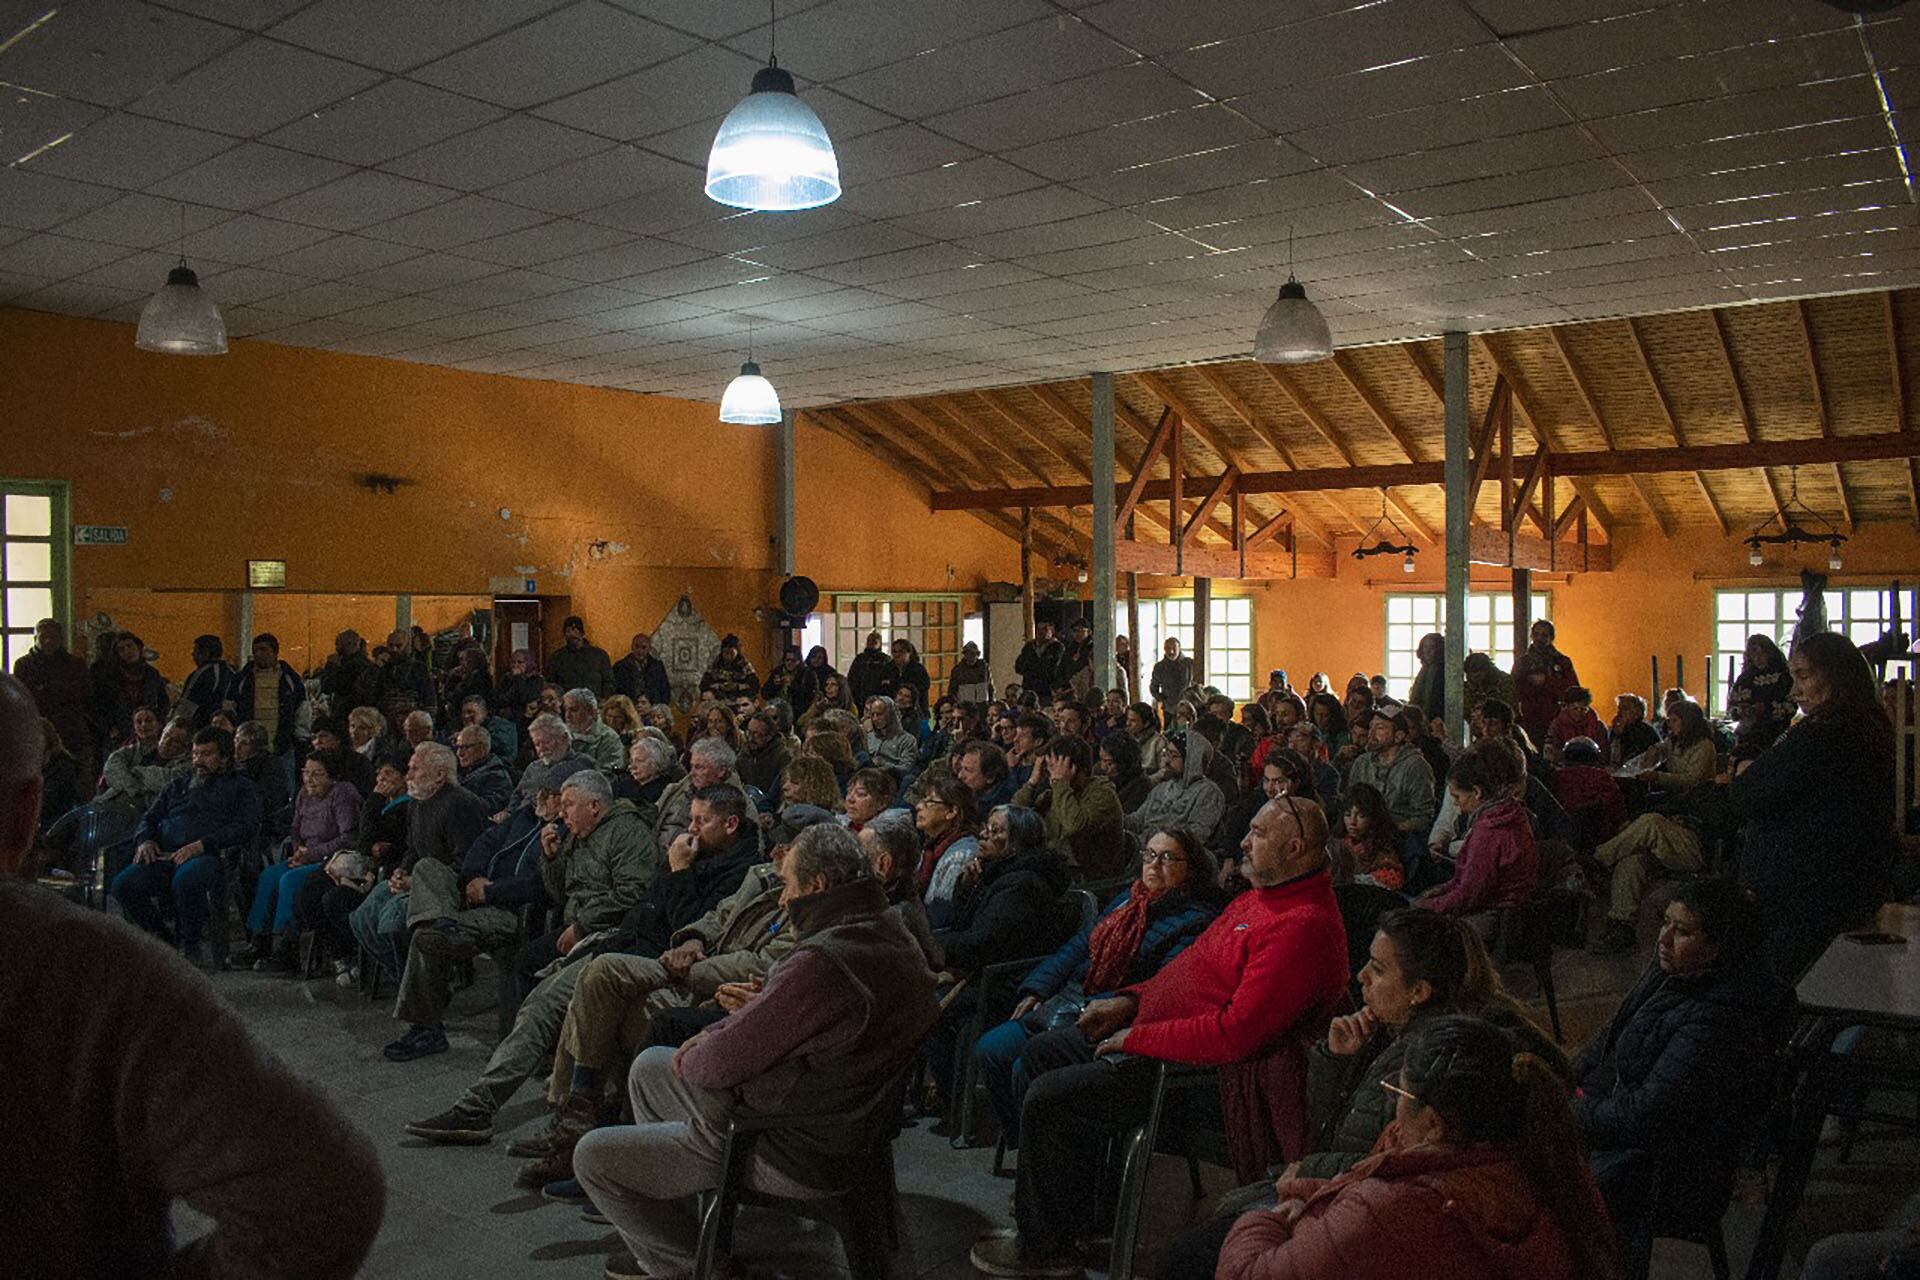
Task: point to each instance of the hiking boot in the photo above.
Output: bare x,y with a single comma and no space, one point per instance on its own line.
565,1191
576,1119
419,1042
1616,939
444,939
534,1145
256,950
457,1126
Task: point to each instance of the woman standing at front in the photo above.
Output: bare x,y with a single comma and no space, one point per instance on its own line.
1819,808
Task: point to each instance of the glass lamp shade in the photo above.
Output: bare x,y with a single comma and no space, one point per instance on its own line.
772,154
181,320
1834,562
1406,565
1293,331
750,400
1754,557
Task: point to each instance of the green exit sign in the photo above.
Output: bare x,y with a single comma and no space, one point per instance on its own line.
99,535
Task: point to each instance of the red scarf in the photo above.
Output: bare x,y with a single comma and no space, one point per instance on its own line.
1114,941
923,874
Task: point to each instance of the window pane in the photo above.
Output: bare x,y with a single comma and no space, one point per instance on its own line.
29,561
1503,608
1399,666
18,642
1479,608
1762,606
1730,606
1863,604
1239,663
1399,609
1732,637
1426,611
29,515
27,605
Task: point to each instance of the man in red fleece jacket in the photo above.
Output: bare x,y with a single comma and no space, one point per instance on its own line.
1276,955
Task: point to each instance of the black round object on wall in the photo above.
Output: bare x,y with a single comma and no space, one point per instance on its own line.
798,596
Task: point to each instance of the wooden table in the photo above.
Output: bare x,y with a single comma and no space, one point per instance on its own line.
1852,984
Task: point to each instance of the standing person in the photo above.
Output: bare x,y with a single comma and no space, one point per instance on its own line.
1125,678
1540,676
518,685
146,1071
123,682
1818,807
871,672
270,691
641,675
1764,687
792,680
1172,676
1038,665
579,665
347,675
970,681
1076,663
909,670
1429,694
62,687
404,683
210,687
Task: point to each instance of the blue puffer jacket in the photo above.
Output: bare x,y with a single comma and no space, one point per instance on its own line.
1682,1066
1172,922
223,812
508,855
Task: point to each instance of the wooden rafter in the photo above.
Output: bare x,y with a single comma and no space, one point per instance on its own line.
1667,415
1269,529
1143,470
1724,347
1820,404
1900,399
1161,390
1595,508
1080,466
1343,364
959,439
1208,503
1238,405
1303,404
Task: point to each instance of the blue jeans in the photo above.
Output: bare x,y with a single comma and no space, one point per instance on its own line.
139,887
274,898
380,925
998,1056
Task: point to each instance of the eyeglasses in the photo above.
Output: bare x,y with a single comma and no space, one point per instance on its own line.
1159,855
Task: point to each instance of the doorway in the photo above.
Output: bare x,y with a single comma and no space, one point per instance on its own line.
519,623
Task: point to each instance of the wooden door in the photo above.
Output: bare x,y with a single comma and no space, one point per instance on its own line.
518,624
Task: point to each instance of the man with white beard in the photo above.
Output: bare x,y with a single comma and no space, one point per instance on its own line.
552,743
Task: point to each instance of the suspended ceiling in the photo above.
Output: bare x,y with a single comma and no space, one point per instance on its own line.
1034,188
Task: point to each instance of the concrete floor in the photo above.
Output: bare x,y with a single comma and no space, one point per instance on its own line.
454,1211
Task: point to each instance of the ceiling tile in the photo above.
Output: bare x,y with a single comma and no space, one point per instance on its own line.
140,221
360,199
652,212
339,256
129,151
986,67
702,84
496,153
1581,48
1492,158
1334,44
1197,171
833,41
887,153
387,120
596,180
405,35
34,126
244,285
941,188
1054,110
1021,209
844,244
111,54
621,258
748,234
561,238
57,257
256,87
503,287
550,57
75,299
714,19
1444,124
255,14
249,238
1143,24
428,271
1385,88
1137,142
591,300
249,176
456,222
33,200
841,116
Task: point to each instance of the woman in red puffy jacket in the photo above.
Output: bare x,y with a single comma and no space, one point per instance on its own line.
1479,1175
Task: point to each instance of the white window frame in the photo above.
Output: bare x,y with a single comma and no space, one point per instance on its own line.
1858,613
35,534
1230,638
1412,614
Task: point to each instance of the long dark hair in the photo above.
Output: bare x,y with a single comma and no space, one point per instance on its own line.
1776,660
1299,773
1851,692
1126,755
1488,1089
1336,713
1693,722
1729,917
1381,828
1446,953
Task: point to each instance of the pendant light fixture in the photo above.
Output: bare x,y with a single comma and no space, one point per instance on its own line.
1793,524
181,320
750,400
772,154
1293,331
1370,545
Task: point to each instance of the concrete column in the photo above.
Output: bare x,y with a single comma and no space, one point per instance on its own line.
245,629
1103,533
403,613
1202,623
1456,472
786,512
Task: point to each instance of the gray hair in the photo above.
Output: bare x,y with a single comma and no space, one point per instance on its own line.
892,727
548,723
827,850
440,756
419,715
253,732
656,750
592,783
584,695
896,834
714,751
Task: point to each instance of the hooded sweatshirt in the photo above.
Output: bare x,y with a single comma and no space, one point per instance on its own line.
1192,800
1499,866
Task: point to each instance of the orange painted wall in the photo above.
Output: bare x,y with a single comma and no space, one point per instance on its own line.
616,500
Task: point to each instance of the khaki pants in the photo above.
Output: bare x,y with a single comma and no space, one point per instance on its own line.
535,1028
1650,842
612,1007
426,987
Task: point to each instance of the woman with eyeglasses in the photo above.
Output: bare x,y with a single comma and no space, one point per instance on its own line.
1148,924
1420,967
1479,1175
944,816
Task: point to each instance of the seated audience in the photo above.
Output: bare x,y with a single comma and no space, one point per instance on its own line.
764,754
983,767
1485,682
640,675
1479,1175
890,745
138,772
502,733
1685,758
123,683
326,813
1630,736
1273,963
181,841
592,736
125,1101
619,714
1499,865
1282,774
1674,1079
1650,845
552,742
1819,840
834,1025
1588,792
1395,768
1085,823
870,792
1120,765
1143,928
1371,849
482,773
1187,799
1574,720
730,675
710,763
59,776
651,763
945,818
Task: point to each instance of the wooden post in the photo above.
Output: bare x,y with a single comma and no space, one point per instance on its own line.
1026,570
1133,632
1103,530
1202,614
1177,509
1522,610
1458,475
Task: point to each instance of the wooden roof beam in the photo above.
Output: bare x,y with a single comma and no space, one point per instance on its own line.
1343,364
1724,347
1160,389
1805,322
1596,509
1673,423
1207,504
1243,410
1900,397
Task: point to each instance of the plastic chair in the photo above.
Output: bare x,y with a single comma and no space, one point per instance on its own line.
1137,1146
1524,935
1361,906
866,1215
993,986
1669,1216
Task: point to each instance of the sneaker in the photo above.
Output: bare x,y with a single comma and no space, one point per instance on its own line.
419,1042
347,978
1616,939
565,1191
1000,1255
457,1126
532,1146
593,1215
445,939
621,1266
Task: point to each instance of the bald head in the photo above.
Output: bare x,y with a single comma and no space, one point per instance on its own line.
20,751
1287,838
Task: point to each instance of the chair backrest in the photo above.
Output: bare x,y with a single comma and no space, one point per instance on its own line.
1086,905
1361,906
